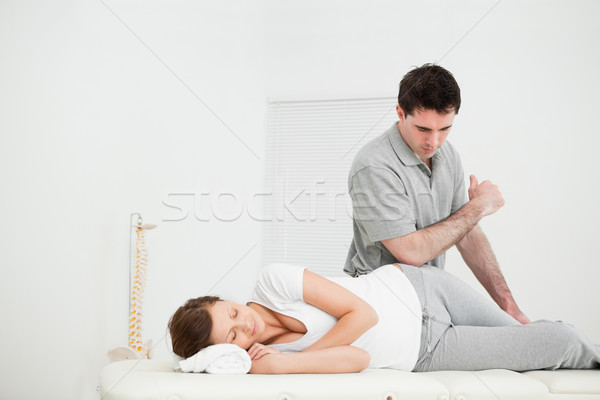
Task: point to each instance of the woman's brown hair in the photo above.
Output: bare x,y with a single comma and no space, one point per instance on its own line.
191,325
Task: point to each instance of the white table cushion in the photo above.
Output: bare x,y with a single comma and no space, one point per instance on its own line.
491,384
147,379
567,381
156,380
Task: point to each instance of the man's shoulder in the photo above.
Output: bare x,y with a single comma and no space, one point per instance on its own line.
376,153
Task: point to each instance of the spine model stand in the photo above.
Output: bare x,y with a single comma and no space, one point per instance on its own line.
137,348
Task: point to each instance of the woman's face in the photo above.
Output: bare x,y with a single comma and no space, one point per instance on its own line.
235,323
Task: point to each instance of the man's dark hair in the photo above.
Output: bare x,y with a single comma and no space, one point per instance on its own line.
429,87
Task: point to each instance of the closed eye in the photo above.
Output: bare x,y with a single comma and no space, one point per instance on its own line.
235,314
231,316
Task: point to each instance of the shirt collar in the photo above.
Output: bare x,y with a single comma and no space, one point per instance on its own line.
405,153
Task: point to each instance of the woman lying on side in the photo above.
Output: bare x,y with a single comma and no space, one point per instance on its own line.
402,317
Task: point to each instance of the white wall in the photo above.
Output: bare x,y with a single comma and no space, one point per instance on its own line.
93,126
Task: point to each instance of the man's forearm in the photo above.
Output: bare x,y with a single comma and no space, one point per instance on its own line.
424,245
475,249
477,253
421,246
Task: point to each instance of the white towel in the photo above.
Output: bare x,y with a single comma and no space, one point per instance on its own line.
223,358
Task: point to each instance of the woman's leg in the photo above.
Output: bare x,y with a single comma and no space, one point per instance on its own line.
447,301
464,305
539,345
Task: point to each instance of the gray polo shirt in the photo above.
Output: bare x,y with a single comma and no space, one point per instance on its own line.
394,193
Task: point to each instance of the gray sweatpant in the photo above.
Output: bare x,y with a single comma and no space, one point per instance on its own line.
463,330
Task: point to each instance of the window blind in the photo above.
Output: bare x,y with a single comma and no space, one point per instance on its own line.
310,147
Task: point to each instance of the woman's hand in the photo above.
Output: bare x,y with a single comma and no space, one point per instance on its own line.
257,351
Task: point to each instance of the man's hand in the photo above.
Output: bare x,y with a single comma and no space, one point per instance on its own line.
485,196
257,351
513,310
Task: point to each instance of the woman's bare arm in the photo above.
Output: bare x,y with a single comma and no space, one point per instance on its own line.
332,360
355,316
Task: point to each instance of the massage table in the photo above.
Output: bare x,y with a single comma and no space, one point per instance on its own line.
155,379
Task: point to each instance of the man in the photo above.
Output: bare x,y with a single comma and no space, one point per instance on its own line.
408,193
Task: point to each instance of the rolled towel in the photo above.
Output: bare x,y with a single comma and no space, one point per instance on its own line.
223,358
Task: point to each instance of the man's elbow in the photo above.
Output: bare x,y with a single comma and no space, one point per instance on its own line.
403,251
409,258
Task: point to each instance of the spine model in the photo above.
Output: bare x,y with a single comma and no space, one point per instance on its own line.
137,295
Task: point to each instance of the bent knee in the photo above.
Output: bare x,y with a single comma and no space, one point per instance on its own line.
559,334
